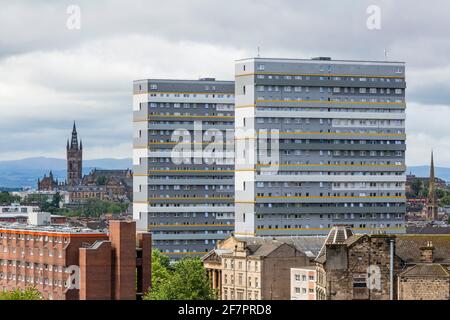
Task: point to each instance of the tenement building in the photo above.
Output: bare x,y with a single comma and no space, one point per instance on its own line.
382,267
319,142
258,268
426,267
66,263
356,266
183,158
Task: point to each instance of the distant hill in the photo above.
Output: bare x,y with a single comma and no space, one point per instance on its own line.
424,171
25,172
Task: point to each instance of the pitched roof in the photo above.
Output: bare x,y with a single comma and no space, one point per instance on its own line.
426,269
310,245
407,247
339,234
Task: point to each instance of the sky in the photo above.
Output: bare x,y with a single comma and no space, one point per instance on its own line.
52,72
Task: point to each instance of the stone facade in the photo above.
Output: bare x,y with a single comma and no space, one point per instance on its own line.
357,269
254,268
425,280
354,267
48,183
74,159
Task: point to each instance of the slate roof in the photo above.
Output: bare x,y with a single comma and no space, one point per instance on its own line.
426,270
262,246
407,247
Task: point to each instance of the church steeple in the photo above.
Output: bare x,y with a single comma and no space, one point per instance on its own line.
74,142
74,158
432,199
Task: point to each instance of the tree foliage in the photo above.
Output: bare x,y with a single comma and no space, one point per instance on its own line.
7,198
416,187
184,280
446,200
30,293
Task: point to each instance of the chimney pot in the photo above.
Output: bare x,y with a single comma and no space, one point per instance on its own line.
426,253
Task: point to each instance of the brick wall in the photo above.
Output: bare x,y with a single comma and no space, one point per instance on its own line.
95,272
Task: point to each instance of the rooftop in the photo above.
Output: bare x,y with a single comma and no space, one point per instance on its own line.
407,247
201,80
321,60
426,269
51,229
260,246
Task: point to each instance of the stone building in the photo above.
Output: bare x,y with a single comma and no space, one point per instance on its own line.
425,273
48,183
74,159
112,185
426,280
354,266
432,205
258,268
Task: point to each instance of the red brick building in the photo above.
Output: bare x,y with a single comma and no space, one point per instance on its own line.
71,263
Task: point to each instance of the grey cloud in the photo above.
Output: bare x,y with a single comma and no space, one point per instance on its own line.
51,75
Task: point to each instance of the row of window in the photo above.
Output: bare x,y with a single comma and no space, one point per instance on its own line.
321,226
31,251
154,86
218,106
189,122
192,187
331,205
192,214
240,281
240,265
28,237
33,280
193,95
307,98
229,294
350,185
336,216
261,88
336,194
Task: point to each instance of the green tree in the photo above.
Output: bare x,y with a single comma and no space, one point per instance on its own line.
7,198
30,293
424,192
185,280
445,201
101,180
440,193
416,187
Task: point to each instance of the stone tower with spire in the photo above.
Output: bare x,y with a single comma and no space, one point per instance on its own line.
432,206
74,159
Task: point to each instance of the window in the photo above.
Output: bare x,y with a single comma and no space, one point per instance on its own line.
359,281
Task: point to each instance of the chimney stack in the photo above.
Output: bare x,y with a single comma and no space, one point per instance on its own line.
426,253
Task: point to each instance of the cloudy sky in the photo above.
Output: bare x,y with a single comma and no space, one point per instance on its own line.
51,75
